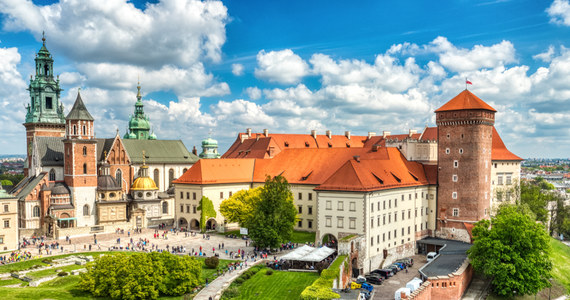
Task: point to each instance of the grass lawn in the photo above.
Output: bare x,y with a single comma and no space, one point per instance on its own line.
210,273
560,273
302,237
279,285
24,265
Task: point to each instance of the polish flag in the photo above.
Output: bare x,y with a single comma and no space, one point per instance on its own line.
468,82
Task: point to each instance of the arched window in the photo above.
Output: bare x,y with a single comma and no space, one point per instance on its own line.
84,168
74,129
170,176
119,177
84,151
84,130
184,171
165,207
157,178
36,211
52,175
85,210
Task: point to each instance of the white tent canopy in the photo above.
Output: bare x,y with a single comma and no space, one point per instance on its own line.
307,253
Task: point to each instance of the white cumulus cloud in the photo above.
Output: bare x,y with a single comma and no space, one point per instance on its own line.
283,66
559,12
237,69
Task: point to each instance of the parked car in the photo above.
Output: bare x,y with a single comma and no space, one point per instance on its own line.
386,273
400,265
430,256
360,279
374,278
407,261
393,268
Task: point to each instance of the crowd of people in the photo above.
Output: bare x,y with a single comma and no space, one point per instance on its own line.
16,256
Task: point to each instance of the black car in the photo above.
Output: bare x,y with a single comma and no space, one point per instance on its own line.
374,279
383,272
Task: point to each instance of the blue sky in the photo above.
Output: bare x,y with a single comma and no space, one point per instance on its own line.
294,66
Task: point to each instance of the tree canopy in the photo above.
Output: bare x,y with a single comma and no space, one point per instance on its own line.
513,250
207,211
268,211
240,206
141,275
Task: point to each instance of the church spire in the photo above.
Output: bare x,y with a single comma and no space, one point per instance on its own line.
139,126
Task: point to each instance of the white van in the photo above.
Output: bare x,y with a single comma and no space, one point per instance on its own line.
430,256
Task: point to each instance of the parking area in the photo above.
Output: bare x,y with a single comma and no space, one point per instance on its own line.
387,289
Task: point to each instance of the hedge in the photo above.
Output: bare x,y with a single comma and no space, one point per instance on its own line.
322,287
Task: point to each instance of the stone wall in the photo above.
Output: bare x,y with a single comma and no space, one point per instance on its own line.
449,287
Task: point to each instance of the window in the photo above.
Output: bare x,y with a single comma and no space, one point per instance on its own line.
84,168
460,150
188,195
300,196
395,217
454,195
352,206
389,203
49,102
416,213
352,223
187,209
74,129
456,212
300,223
371,207
52,175
371,241
378,221
402,231
164,207
389,233
310,210
500,179
395,233
509,179
36,211
193,196
310,196
447,151
372,222
403,215
329,205
231,193
300,209
395,202
181,195
181,208
409,213
389,218
6,223
383,237
384,220
170,176
454,178
84,130
85,210
340,205
328,221
485,211
340,222
456,164
409,227
157,177
310,223
119,177
194,208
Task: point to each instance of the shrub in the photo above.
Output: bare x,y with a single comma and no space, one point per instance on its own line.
61,274
212,262
269,272
245,276
47,261
231,292
239,280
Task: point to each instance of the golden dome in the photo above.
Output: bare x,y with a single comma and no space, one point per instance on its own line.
143,184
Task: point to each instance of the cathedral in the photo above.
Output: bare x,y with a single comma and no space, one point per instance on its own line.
79,184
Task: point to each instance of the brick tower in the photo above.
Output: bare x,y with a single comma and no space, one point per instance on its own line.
465,128
80,162
44,114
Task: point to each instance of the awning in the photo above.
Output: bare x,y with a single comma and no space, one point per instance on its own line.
307,253
67,219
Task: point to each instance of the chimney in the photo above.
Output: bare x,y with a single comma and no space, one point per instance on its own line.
386,133
412,131
357,158
371,134
248,131
329,134
314,134
347,134
243,137
194,151
265,132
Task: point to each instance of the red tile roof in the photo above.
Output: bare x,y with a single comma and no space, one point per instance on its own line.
500,151
465,100
429,134
215,171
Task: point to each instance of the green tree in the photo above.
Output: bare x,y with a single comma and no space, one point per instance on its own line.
6,182
275,214
207,211
560,222
536,199
513,250
240,206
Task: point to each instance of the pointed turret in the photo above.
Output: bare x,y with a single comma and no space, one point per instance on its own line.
79,111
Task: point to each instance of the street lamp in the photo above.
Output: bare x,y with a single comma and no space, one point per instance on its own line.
550,288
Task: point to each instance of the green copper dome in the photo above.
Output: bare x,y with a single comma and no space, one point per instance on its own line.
209,142
209,148
139,125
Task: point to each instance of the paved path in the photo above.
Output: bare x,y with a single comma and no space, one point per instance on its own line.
216,287
477,289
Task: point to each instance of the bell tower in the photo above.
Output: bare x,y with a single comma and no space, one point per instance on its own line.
80,161
465,135
44,113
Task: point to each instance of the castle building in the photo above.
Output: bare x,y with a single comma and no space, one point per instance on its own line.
77,183
9,235
385,192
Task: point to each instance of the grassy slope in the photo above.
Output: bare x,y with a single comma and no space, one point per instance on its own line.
300,237
280,285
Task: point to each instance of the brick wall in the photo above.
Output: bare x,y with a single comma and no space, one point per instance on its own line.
449,287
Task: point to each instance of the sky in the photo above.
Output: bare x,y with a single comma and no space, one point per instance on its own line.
219,67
